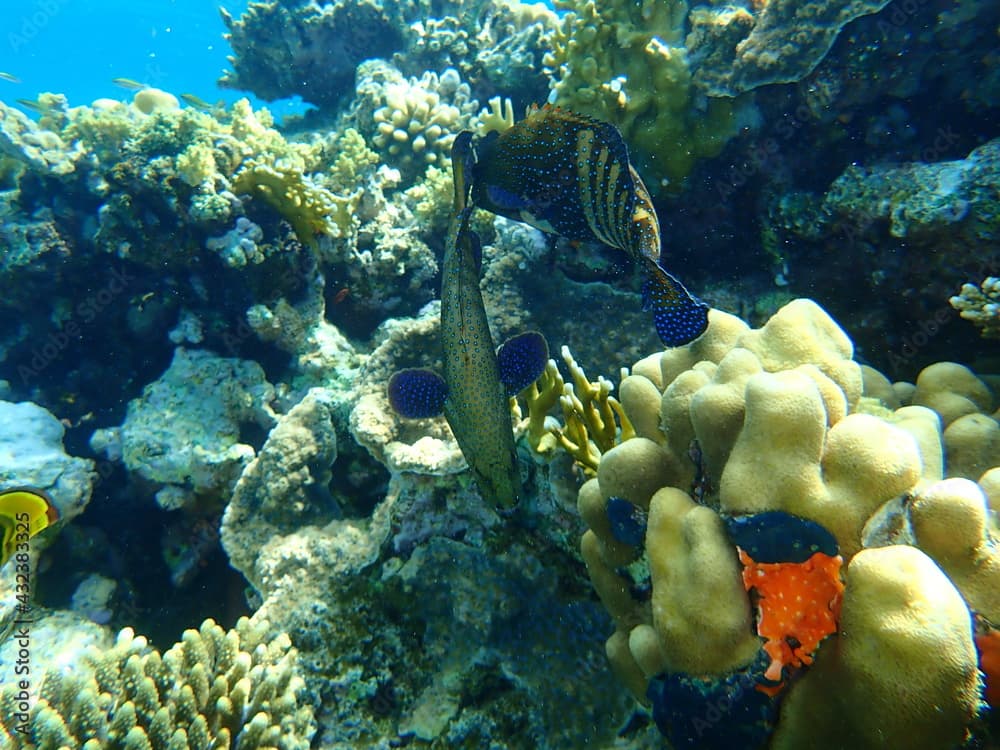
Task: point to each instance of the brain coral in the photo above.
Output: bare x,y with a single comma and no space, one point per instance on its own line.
774,441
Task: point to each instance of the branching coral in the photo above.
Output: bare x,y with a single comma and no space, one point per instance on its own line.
625,63
212,689
593,420
981,305
420,118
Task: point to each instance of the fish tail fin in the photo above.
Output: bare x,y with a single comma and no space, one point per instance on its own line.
679,316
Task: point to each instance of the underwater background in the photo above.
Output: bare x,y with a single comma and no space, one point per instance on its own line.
748,494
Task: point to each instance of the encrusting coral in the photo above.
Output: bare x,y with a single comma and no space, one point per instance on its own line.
212,689
766,460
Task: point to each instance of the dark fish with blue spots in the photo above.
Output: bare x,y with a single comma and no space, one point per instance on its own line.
570,175
478,381
628,521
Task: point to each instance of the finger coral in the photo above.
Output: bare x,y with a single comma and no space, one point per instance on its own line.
212,689
419,119
802,547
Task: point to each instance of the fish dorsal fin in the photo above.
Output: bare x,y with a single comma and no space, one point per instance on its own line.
522,360
417,393
462,162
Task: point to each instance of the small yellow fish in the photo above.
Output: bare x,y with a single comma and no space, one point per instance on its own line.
196,102
9,77
24,512
129,84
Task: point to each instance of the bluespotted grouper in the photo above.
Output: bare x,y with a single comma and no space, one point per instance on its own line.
474,394
570,175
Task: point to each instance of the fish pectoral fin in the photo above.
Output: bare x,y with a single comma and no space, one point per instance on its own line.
679,316
522,360
417,394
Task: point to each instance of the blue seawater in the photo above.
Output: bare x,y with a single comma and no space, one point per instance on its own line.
76,47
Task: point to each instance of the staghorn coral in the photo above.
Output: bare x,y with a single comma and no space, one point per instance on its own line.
211,689
765,437
980,305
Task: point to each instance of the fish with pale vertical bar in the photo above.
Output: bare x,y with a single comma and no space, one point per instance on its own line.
570,175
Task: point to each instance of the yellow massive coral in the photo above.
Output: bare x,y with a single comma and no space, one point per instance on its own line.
746,422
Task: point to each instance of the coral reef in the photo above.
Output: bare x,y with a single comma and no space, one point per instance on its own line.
211,689
626,64
283,487
419,119
924,203
787,446
32,455
496,45
320,47
912,233
183,433
738,48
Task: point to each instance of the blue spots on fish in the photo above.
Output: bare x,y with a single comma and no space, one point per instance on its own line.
714,713
628,521
522,360
570,175
506,199
679,316
777,537
417,394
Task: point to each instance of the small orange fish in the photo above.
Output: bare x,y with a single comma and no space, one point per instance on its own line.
340,296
